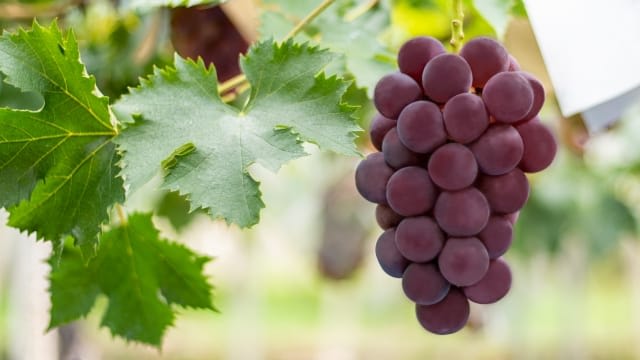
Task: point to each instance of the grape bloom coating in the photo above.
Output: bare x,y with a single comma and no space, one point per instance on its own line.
457,133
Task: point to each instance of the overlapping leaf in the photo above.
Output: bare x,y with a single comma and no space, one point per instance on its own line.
205,146
141,275
58,172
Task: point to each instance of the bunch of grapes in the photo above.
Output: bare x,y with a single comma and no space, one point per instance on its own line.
456,135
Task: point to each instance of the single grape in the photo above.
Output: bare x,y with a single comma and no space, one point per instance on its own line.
506,193
497,236
420,127
453,167
446,76
416,53
386,217
419,239
461,213
393,92
493,286
447,316
390,259
423,284
395,153
372,175
463,261
410,191
465,117
540,146
498,150
486,57
513,64
508,97
538,94
380,125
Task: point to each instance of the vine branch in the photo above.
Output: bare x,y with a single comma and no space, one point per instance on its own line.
457,32
241,78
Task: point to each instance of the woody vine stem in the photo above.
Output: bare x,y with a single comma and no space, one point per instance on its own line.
457,33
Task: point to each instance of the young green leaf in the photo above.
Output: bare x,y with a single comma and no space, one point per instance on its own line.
58,173
142,276
179,108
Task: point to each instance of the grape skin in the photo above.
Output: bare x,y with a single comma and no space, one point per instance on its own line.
493,286
372,175
497,236
421,128
410,191
419,239
447,316
498,150
540,146
506,193
416,53
462,213
453,167
538,94
395,153
513,64
446,76
486,57
386,217
423,284
393,92
508,97
463,261
390,259
465,118
379,127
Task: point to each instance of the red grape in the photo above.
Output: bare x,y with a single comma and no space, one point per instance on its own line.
493,286
419,239
386,217
410,191
390,259
420,127
395,153
461,213
380,125
372,175
538,94
453,167
486,57
506,193
540,146
393,92
446,76
465,117
416,53
463,261
508,97
498,150
447,316
497,236
423,284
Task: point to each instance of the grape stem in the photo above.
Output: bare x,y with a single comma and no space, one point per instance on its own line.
122,216
457,33
241,78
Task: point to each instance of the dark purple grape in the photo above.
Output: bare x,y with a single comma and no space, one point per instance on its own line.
419,239
393,92
486,57
506,193
538,94
416,53
395,153
463,261
508,97
423,284
540,146
513,64
461,213
420,127
447,316
498,150
465,117
493,286
386,217
390,259
497,236
410,191
372,175
446,76
453,167
380,125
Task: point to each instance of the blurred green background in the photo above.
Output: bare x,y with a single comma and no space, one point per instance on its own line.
304,284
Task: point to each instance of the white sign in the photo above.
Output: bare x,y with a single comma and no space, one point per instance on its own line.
592,52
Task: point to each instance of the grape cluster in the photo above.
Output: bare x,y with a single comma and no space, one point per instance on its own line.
456,135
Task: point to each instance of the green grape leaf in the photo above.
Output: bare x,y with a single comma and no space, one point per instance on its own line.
205,146
142,275
496,12
149,4
58,172
362,55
